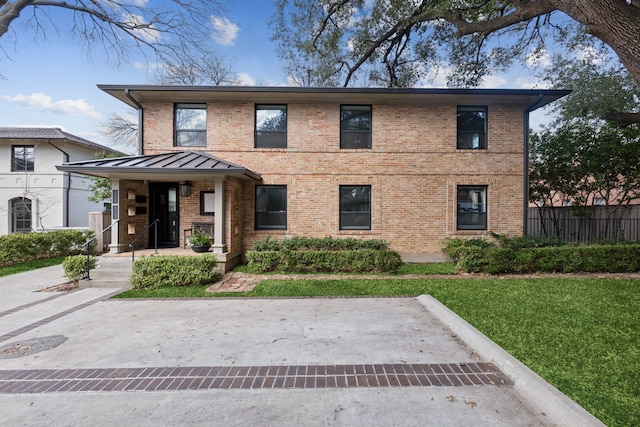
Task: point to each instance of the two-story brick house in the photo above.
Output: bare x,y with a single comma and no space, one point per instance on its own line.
35,194
409,166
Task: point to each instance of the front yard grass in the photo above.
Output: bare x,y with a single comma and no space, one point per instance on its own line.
579,334
30,265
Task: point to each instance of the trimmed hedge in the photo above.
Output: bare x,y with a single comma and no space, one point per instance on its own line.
325,261
173,270
473,257
319,244
18,248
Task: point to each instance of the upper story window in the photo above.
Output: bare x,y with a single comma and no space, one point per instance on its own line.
271,126
355,126
190,125
23,158
355,207
472,207
271,207
472,128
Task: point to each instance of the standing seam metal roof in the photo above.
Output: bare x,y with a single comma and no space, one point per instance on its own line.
188,161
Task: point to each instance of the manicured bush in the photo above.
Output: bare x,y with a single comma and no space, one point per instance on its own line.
325,261
319,244
173,270
18,248
75,266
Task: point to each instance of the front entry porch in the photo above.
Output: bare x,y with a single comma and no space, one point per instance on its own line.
157,198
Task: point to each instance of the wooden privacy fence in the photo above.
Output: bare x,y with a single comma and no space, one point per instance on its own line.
594,227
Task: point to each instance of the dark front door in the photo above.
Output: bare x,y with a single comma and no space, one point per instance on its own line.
163,206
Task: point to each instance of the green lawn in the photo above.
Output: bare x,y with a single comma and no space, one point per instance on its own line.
581,335
31,265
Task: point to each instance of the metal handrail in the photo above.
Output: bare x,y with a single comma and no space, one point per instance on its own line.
132,245
86,244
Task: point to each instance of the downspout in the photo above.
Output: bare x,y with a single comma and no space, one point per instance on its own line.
525,211
67,188
127,93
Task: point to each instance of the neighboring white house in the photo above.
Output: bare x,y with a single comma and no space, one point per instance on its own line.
33,193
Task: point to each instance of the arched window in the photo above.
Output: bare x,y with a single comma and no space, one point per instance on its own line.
20,215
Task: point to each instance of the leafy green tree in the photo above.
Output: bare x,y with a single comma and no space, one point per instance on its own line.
601,89
100,187
397,43
580,162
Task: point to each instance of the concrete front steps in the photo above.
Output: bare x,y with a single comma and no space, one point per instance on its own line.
111,272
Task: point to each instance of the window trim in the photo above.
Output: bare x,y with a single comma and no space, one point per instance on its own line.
176,131
344,107
14,163
285,107
485,109
484,225
341,212
284,212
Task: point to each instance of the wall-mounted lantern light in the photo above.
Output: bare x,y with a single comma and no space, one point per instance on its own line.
185,189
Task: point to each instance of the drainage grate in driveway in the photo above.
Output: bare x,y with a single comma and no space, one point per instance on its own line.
251,377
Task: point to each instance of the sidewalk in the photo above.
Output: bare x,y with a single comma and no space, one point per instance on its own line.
281,362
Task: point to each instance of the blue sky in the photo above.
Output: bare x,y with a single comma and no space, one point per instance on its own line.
53,82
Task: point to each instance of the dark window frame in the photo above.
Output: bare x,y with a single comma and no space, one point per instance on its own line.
348,218
264,218
463,135
20,213
23,164
470,214
345,140
177,131
271,138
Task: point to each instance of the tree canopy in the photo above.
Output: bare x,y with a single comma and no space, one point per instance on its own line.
164,30
400,42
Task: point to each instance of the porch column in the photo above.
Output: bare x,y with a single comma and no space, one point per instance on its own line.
219,222
116,212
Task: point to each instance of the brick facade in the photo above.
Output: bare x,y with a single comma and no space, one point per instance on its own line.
413,169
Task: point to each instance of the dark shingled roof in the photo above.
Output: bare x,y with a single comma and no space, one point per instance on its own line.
49,133
179,164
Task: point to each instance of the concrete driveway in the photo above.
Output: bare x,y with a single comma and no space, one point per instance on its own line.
78,358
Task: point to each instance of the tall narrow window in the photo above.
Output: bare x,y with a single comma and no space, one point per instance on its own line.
271,207
190,125
23,158
355,207
271,126
20,215
355,126
472,128
472,207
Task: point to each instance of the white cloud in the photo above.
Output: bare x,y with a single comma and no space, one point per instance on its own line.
531,83
492,82
224,31
246,80
588,53
65,107
148,34
539,58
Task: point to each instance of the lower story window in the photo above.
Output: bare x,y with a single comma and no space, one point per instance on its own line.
355,207
20,215
271,207
472,207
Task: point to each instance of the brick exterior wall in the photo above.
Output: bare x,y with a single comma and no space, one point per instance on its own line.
413,169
